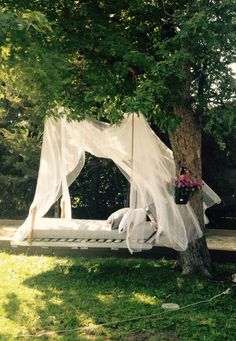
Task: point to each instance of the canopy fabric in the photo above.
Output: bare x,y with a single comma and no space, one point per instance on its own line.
144,160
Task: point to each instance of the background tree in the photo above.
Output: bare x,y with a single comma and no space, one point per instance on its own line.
167,60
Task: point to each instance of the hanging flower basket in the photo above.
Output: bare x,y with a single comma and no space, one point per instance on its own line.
185,188
181,196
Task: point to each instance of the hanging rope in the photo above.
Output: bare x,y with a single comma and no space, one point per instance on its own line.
132,164
131,194
132,149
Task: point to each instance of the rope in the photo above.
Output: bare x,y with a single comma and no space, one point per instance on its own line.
132,165
106,324
132,150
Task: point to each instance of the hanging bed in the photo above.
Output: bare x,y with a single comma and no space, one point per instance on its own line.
144,160
84,234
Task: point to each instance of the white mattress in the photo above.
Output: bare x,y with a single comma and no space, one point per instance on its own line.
81,228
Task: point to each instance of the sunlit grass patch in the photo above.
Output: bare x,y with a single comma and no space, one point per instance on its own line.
110,298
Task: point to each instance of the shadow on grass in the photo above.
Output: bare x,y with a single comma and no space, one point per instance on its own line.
12,306
67,293
100,291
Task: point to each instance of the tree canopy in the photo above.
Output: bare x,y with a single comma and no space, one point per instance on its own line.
169,60
104,58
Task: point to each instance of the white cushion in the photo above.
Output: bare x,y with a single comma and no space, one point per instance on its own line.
115,218
135,216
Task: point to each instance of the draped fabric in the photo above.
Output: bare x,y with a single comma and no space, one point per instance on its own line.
140,155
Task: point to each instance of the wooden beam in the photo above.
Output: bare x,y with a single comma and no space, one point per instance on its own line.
31,234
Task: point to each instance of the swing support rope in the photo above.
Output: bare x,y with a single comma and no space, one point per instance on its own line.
132,160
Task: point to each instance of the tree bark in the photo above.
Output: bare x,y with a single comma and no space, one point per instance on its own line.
186,146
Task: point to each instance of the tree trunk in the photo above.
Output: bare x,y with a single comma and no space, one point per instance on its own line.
186,146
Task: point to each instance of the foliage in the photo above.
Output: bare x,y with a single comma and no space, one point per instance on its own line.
41,294
128,56
31,78
99,190
32,71
19,158
102,58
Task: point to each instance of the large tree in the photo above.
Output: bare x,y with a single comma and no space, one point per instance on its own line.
166,59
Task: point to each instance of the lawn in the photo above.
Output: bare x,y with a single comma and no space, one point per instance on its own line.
41,294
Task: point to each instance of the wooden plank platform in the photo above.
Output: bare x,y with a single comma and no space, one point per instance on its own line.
83,244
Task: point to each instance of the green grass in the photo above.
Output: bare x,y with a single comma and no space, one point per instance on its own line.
40,294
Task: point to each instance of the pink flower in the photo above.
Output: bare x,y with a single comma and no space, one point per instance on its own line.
185,183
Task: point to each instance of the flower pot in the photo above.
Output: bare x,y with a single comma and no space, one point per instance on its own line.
181,197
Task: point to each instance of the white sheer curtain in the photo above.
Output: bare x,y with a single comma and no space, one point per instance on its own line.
153,168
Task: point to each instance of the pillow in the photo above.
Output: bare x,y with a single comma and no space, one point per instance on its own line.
135,216
124,222
115,218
